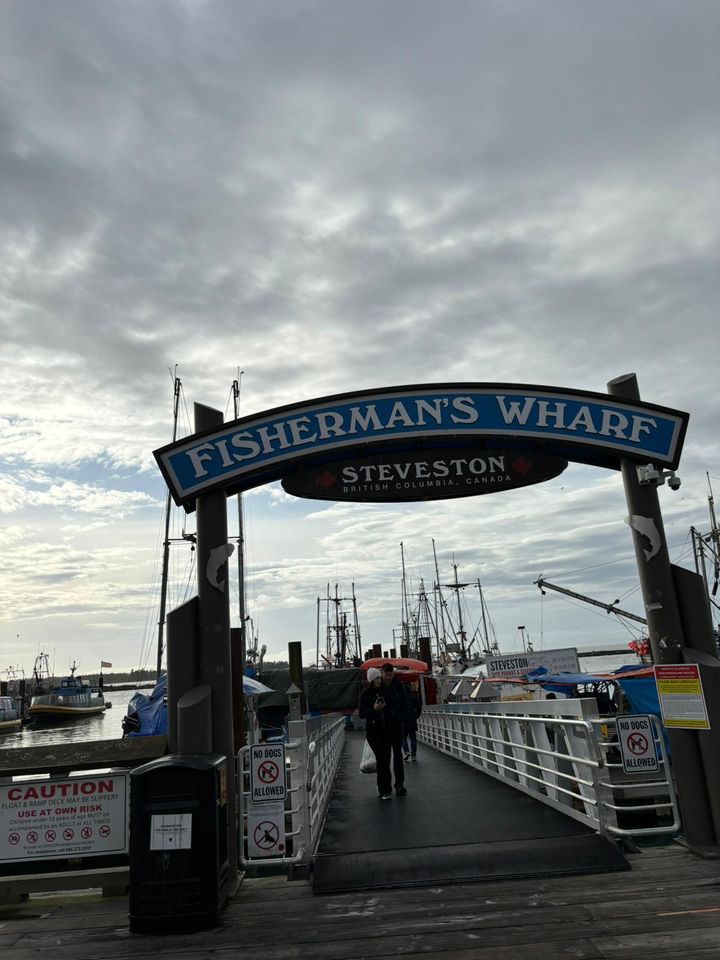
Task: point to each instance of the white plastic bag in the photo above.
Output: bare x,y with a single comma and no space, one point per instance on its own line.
367,761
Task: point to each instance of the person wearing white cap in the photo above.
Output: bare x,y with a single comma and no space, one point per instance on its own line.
383,706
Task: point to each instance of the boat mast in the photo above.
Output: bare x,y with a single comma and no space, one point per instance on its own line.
405,624
166,544
485,629
439,596
461,628
240,540
358,641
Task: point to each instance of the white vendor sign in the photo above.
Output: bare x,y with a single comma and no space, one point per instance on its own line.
564,660
637,744
266,829
267,772
82,816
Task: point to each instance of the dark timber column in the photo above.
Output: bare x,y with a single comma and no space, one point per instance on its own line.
296,670
664,629
215,665
182,665
237,651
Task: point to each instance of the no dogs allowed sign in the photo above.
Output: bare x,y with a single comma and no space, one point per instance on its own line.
267,772
637,745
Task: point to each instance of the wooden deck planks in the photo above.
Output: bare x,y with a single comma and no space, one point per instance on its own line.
667,907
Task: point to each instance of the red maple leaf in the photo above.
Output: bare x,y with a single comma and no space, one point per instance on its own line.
325,480
522,465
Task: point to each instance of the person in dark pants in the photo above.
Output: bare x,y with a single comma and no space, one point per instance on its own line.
409,742
384,706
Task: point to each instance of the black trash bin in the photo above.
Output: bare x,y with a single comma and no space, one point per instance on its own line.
178,843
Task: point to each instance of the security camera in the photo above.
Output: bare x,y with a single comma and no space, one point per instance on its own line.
674,482
648,474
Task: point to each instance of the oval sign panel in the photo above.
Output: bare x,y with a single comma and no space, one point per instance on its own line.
439,474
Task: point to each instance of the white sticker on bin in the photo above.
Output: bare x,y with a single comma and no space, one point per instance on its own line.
171,831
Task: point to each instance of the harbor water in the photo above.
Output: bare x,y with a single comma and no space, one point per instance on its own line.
108,725
102,726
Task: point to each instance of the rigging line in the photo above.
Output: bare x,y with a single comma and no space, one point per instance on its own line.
153,593
606,563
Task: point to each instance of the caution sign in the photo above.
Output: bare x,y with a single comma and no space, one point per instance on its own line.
637,745
681,696
267,772
266,830
81,816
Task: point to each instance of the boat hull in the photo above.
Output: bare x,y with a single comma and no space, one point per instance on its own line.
47,710
7,725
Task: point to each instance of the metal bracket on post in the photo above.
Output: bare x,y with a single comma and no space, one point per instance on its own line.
649,475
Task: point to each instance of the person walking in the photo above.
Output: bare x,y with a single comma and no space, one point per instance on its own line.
409,741
384,705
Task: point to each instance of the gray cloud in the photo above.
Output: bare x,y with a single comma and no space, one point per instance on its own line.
336,196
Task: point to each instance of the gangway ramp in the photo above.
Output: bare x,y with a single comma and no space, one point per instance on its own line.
455,825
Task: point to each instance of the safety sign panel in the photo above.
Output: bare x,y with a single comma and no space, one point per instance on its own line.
171,831
266,830
82,816
681,696
637,744
267,772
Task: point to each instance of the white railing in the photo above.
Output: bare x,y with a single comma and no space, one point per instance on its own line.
559,752
312,756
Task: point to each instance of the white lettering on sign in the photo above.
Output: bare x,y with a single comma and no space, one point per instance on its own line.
80,816
637,744
254,448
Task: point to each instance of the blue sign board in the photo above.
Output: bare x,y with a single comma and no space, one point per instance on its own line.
589,427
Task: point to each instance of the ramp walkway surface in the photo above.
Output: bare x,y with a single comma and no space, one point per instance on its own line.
455,825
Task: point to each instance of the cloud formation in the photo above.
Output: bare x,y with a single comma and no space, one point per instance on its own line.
334,196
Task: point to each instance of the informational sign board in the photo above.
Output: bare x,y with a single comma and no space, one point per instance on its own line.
680,692
637,744
171,831
267,772
81,816
266,829
518,664
589,427
434,474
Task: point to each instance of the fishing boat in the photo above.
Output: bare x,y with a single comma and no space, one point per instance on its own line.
9,715
70,699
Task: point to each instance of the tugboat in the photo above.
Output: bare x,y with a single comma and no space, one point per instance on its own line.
72,698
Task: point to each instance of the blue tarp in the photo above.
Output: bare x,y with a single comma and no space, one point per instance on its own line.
641,692
151,710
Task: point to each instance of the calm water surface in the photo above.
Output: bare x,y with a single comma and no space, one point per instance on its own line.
108,725
103,726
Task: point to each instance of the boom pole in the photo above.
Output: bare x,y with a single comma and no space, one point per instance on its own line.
607,607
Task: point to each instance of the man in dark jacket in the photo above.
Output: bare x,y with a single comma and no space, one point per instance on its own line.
384,709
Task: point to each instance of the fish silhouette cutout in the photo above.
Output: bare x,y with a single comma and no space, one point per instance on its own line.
217,558
646,527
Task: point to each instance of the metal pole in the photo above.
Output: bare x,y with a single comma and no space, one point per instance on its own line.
665,629
241,646
213,552
166,543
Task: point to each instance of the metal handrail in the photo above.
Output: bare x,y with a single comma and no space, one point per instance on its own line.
312,758
572,773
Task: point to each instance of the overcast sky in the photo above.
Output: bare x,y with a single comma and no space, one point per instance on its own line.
336,196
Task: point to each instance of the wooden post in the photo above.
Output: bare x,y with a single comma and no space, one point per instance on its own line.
296,671
237,650
182,665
